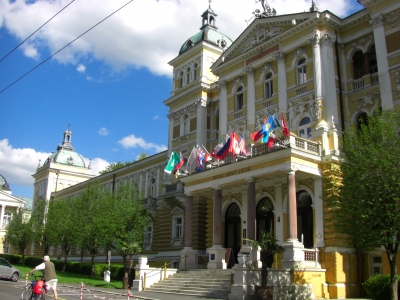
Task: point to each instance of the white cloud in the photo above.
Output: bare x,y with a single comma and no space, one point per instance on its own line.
103,131
156,117
131,141
146,33
97,165
81,68
18,164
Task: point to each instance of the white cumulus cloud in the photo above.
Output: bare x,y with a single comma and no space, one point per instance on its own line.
81,68
97,164
131,141
145,33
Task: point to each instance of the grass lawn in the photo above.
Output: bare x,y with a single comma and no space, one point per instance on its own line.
72,279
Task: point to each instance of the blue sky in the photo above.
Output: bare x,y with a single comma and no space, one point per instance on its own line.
109,85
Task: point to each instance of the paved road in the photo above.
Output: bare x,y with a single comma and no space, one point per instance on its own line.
12,291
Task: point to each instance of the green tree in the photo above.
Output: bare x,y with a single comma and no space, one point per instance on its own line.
119,165
62,223
40,234
93,219
268,245
362,189
19,231
130,219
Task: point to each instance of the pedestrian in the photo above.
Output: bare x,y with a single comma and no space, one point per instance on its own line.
49,274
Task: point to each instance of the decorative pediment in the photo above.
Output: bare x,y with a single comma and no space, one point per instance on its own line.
177,211
260,36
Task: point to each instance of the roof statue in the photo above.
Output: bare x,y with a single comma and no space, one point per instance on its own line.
313,7
267,10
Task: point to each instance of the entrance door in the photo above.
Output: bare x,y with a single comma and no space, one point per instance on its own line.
265,217
305,224
232,229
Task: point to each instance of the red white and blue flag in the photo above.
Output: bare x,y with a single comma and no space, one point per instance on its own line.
200,159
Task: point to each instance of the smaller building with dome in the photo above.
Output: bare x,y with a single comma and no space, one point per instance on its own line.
63,168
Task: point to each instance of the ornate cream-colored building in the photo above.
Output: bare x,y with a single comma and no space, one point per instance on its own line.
323,73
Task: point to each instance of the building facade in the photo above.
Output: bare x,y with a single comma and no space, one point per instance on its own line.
321,73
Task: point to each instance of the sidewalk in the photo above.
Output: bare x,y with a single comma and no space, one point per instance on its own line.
145,295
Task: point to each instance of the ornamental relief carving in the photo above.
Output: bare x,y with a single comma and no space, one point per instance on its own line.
236,196
392,18
306,104
240,127
308,183
368,99
190,110
260,36
270,190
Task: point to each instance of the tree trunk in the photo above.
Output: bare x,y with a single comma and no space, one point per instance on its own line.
393,273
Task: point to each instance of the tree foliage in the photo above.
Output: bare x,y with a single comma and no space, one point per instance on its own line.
19,231
363,187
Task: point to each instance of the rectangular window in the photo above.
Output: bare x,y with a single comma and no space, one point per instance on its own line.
268,89
178,228
148,234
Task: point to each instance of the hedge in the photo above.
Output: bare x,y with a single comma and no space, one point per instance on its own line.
117,271
378,287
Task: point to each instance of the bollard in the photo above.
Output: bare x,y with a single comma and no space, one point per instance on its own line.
144,281
81,290
165,271
129,292
26,278
185,263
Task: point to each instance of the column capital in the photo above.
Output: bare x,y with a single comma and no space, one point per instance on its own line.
279,56
249,71
326,40
377,22
250,179
314,40
222,84
216,188
201,102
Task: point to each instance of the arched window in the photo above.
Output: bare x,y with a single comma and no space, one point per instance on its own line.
153,188
305,227
185,125
265,217
195,71
181,79
362,119
7,218
358,64
373,65
239,98
301,71
305,128
268,86
187,75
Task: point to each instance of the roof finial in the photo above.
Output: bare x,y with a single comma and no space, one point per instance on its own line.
313,7
209,4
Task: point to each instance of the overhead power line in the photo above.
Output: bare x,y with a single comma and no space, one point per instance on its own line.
41,63
35,31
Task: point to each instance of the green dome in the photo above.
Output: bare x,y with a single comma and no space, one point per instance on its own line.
207,34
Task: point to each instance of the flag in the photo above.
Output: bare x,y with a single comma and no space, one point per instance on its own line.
200,159
207,156
255,136
234,147
242,146
192,161
222,149
284,125
173,161
271,140
180,164
268,127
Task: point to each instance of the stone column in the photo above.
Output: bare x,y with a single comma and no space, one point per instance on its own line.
319,213
216,252
251,98
146,184
170,133
293,255
314,42
278,212
282,83
329,92
3,207
383,64
201,126
251,209
223,108
188,255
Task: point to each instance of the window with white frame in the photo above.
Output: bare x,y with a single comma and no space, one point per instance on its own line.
152,188
305,128
239,98
181,79
7,218
376,265
301,71
268,86
195,71
148,236
187,75
6,248
177,226
185,125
